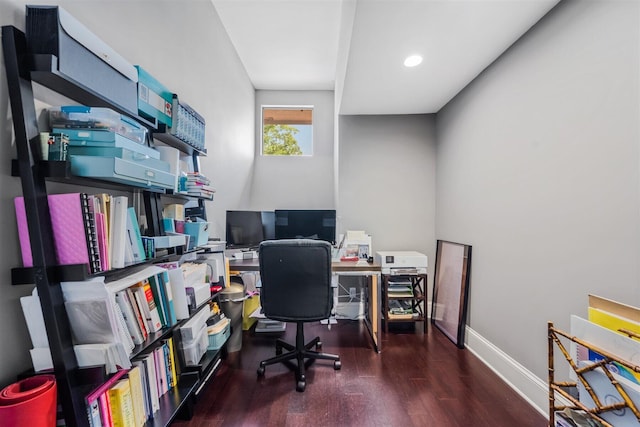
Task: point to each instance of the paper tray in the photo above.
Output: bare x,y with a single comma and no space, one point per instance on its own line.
81,117
121,153
105,138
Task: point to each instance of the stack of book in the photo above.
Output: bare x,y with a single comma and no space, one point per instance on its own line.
147,305
197,185
131,397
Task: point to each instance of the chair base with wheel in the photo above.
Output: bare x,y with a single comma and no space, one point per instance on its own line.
300,352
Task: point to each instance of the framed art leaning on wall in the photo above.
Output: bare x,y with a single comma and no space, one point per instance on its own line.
451,289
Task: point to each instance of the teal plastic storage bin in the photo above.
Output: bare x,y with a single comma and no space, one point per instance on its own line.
122,171
199,232
217,339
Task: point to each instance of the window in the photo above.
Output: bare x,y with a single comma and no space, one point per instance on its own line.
287,130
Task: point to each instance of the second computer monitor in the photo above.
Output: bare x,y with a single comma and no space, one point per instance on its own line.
307,224
244,229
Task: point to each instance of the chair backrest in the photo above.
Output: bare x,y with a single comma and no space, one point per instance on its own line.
296,279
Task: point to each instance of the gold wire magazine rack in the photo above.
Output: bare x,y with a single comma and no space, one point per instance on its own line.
558,338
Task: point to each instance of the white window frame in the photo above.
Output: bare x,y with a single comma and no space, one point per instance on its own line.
285,107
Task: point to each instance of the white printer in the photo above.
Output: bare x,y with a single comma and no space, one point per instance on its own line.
402,262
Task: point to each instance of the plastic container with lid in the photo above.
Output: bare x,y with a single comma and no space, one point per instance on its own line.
81,117
192,351
218,334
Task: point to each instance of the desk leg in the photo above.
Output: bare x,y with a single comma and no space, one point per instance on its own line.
373,311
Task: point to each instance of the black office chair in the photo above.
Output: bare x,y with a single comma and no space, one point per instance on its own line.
296,287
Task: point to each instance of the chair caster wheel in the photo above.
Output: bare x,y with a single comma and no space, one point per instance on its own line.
319,345
261,371
337,365
301,385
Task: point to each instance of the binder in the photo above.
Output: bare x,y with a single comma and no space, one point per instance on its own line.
144,298
138,314
146,399
118,228
74,231
167,365
95,394
122,299
172,362
153,385
133,236
103,240
161,370
98,220
174,282
105,408
159,299
137,395
103,202
165,281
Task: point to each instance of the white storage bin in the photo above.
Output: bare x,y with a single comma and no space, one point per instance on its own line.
192,351
193,326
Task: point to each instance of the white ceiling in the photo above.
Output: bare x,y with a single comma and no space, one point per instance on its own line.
356,47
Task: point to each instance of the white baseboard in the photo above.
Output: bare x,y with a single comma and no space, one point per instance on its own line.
533,389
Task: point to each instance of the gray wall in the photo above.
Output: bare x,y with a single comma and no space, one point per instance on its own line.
198,62
538,169
387,169
296,182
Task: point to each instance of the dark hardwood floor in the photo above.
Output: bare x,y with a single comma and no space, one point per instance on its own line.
417,380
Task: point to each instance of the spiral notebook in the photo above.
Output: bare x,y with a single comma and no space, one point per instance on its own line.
74,232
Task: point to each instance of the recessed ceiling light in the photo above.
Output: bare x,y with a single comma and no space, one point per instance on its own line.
412,61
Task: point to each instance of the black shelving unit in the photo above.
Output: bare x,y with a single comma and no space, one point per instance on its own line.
73,383
39,225
162,134
176,401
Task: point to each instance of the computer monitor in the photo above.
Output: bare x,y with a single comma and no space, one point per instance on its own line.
306,224
244,229
268,224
